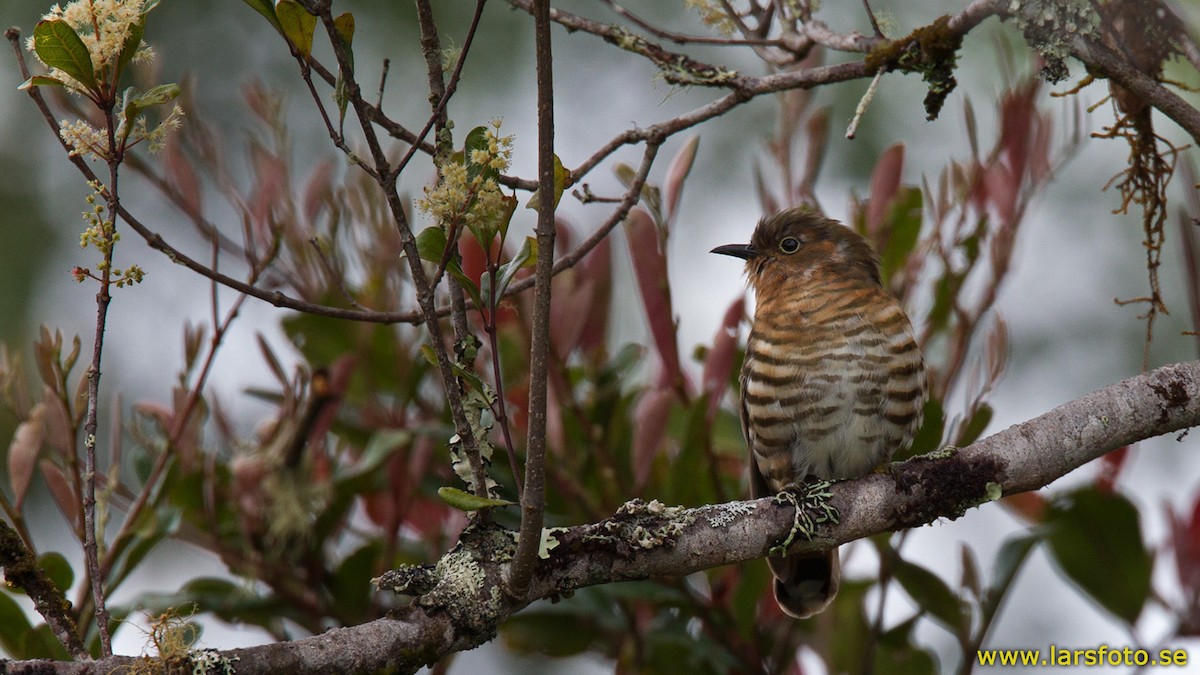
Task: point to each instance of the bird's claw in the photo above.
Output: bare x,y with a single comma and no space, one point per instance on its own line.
811,507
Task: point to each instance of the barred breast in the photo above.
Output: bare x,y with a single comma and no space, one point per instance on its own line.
832,384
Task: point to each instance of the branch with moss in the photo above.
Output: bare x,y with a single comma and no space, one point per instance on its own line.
457,603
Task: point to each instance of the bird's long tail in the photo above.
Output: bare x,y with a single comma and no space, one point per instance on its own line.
805,583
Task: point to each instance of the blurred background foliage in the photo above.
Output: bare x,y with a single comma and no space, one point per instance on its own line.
990,221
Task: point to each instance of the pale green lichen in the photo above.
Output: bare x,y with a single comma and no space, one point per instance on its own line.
994,491
415,580
945,452
731,512
549,542
1050,25
463,586
648,524
206,661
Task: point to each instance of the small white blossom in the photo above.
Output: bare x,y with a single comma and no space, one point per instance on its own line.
104,26
83,138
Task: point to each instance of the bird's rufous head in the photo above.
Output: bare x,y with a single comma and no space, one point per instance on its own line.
801,243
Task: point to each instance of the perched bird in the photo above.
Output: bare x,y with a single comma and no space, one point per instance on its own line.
832,383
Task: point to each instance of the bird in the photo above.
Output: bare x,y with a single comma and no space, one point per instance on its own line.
832,384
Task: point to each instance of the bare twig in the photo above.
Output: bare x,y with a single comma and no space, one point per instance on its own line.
533,499
863,104
680,38
387,64
439,110
424,290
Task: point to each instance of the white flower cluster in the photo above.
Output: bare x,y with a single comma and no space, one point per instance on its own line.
104,26
464,198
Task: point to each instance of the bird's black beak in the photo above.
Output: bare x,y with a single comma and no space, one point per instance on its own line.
743,251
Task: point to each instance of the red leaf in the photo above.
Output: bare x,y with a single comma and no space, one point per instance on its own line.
572,299
1029,505
1185,541
60,489
1110,469
719,365
765,198
23,452
317,190
817,132
474,262
650,427
270,183
1003,188
1018,113
182,176
650,268
596,268
885,181
677,173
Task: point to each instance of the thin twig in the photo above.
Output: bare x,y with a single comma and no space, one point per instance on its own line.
680,38
424,291
863,104
440,110
387,64
500,407
334,275
533,501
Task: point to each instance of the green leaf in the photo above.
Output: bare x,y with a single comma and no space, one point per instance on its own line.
470,378
465,501
1011,557
929,437
931,594
898,653
525,257
134,104
351,583
477,140
561,177
344,25
1009,560
1097,541
466,282
150,534
58,569
550,633
132,42
297,25
40,643
265,8
59,46
973,429
163,93
431,244
40,81
383,444
904,223
13,625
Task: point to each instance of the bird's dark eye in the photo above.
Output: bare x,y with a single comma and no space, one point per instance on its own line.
789,245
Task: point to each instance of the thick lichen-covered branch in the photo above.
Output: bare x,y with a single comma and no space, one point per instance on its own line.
459,607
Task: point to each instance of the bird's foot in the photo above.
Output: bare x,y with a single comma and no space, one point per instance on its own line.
810,502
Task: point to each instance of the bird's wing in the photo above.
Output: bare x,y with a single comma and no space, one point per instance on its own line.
758,485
